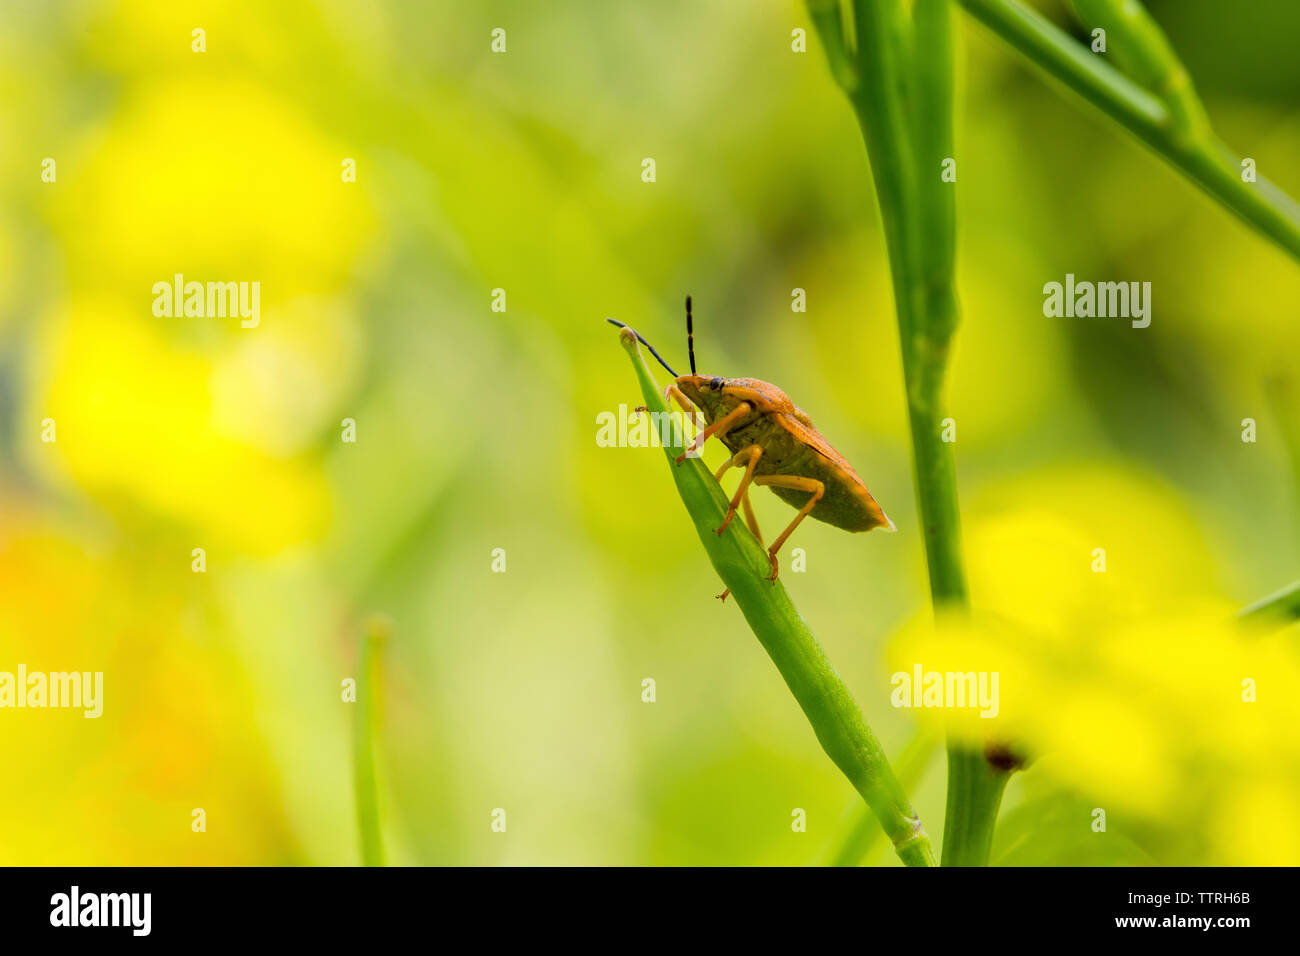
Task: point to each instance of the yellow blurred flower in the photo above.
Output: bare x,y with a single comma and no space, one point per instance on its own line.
1132,685
212,177
175,732
136,424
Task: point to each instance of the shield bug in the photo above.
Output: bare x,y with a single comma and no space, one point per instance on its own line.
776,444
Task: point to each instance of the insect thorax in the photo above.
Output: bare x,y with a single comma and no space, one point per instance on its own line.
780,448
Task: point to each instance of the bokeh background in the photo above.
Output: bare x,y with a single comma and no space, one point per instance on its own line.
476,430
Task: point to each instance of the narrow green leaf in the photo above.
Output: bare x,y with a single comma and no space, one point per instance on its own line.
365,731
1280,608
742,564
1199,157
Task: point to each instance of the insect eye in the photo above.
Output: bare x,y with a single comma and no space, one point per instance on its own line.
717,382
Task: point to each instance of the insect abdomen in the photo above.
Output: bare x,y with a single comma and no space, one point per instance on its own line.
846,503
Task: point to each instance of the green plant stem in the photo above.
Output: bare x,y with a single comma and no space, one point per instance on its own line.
864,835
974,795
743,566
903,99
1193,151
1281,607
365,731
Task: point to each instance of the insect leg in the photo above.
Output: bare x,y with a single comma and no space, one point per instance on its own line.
797,483
672,391
749,516
690,412
718,428
750,520
750,455
753,396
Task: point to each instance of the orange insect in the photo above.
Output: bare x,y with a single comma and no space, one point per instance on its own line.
777,445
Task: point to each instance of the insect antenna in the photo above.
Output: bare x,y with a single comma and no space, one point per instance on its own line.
690,334
624,325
